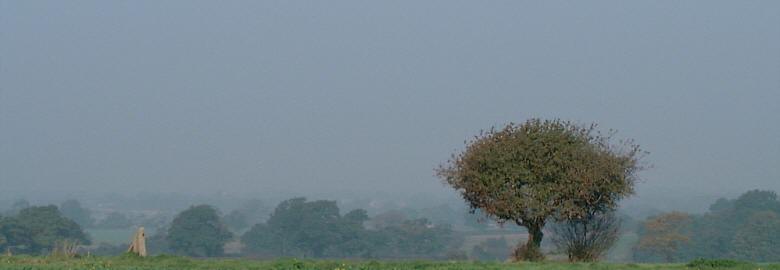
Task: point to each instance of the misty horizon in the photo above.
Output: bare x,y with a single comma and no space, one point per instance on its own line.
314,99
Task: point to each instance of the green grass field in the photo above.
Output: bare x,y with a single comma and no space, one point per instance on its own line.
171,262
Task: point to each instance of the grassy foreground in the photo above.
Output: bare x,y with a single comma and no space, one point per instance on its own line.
172,262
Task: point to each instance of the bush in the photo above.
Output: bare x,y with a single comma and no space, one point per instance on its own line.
586,239
528,253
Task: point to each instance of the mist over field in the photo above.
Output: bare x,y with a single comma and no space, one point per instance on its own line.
143,106
267,97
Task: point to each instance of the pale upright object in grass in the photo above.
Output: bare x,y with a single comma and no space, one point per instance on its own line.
138,244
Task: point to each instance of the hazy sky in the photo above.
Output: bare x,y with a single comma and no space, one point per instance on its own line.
258,96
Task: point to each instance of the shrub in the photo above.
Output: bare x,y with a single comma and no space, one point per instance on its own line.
586,239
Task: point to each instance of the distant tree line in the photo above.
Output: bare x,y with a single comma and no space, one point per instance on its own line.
305,229
295,228
746,228
316,229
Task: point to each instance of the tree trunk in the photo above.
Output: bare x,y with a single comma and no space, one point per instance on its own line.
535,235
531,251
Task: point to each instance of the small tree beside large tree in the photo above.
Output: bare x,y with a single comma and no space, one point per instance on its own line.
540,170
586,239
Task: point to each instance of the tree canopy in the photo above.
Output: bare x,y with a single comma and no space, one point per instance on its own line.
198,232
37,229
542,169
310,229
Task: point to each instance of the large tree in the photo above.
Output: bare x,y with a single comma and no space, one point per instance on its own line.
310,229
198,232
542,169
37,229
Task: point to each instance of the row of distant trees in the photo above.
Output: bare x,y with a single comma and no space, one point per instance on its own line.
73,210
311,229
296,228
746,228
256,211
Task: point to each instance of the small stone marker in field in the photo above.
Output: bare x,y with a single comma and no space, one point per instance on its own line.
138,244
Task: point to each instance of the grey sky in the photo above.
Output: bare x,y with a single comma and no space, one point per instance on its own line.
250,96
